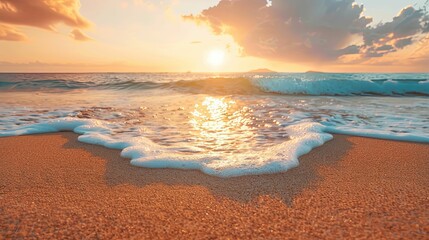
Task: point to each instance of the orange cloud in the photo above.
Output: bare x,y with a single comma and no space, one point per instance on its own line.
76,34
312,30
42,13
8,33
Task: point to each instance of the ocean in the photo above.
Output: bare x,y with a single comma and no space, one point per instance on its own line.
226,125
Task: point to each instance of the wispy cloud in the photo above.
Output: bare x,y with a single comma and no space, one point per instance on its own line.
76,34
8,33
43,14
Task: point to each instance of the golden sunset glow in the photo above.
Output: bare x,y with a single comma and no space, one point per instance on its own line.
222,123
216,58
214,119
212,35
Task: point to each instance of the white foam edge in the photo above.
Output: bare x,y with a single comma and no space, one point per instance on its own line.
373,133
145,153
280,158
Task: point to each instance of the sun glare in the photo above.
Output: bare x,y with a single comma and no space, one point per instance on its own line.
221,124
216,58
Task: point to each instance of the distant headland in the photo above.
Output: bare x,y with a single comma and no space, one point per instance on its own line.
262,70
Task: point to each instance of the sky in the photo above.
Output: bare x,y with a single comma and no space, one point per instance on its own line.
214,35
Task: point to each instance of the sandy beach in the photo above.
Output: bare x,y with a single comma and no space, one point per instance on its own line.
186,119
52,186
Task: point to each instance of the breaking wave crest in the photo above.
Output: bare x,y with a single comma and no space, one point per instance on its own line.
344,87
223,125
323,85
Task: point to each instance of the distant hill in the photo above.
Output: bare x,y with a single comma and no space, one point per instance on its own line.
262,70
313,72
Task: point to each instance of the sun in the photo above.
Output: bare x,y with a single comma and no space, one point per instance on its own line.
216,57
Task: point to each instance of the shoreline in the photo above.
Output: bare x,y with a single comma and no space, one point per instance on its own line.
51,185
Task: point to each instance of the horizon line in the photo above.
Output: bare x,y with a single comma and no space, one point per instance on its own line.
191,72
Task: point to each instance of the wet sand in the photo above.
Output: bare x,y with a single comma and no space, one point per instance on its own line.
52,186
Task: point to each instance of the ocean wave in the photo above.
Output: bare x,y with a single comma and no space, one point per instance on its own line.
61,84
145,153
318,85
335,87
224,125
219,86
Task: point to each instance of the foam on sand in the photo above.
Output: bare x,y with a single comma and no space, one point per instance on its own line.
302,138
226,125
145,153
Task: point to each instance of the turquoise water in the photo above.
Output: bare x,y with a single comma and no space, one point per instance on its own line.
224,124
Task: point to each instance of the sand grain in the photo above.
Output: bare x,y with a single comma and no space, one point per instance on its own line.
52,186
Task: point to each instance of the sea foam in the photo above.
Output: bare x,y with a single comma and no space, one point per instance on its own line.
303,137
224,126
143,152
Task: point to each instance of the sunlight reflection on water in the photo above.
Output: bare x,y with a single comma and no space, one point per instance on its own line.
222,124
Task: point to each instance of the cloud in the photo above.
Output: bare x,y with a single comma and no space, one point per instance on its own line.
401,43
43,14
310,30
76,34
400,32
8,33
406,23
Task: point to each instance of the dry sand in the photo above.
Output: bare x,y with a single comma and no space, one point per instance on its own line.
52,186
